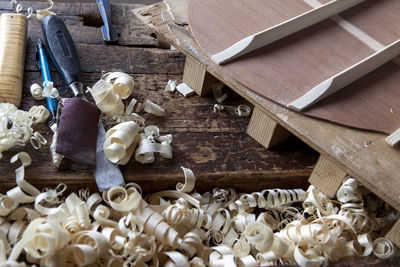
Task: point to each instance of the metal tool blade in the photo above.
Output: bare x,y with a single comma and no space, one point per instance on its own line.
107,174
108,31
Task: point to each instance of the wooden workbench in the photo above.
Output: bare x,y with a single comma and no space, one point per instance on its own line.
343,151
214,146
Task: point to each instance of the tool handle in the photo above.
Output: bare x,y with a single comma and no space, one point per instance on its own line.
104,8
52,103
13,29
43,62
61,48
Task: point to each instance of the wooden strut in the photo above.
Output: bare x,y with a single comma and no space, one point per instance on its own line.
283,29
394,138
346,77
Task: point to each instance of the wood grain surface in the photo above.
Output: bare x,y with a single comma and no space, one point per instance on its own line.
214,146
285,70
363,154
12,56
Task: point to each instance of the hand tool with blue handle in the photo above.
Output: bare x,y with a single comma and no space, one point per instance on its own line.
43,64
109,33
65,57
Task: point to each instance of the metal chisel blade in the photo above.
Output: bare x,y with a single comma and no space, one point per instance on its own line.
108,31
106,174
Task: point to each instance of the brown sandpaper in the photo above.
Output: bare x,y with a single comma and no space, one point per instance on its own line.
77,131
285,70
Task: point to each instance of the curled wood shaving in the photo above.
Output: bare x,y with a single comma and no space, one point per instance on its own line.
188,186
173,228
50,91
121,142
383,248
36,91
42,13
171,86
56,157
150,142
122,83
241,110
107,100
39,13
153,108
16,126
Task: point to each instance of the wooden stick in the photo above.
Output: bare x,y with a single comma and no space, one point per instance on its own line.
13,30
346,77
283,29
394,138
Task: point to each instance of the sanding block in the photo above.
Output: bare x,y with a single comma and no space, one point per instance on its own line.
77,130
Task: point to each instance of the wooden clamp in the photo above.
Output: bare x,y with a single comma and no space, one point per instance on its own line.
283,29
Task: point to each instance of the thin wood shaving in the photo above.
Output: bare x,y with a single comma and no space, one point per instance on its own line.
173,228
36,91
42,13
16,126
151,142
107,100
241,110
122,83
171,86
121,142
153,108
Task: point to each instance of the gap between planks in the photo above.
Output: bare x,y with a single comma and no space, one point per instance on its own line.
262,128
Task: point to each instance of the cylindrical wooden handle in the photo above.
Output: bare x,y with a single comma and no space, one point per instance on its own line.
13,30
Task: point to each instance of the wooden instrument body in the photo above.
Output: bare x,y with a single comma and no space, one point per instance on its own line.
13,32
290,67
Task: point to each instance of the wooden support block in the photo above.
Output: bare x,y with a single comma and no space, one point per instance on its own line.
327,177
394,234
265,130
197,77
162,43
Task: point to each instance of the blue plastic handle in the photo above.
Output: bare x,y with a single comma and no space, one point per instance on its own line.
52,103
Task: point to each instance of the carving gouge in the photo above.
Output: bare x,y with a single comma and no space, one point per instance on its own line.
65,57
109,33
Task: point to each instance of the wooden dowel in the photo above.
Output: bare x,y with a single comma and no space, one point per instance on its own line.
13,30
283,29
346,77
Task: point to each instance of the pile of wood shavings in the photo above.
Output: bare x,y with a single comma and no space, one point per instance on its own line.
175,228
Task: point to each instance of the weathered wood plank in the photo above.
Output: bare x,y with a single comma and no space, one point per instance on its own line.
83,21
214,145
96,58
217,159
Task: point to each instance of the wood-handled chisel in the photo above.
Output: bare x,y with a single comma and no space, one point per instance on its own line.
65,57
